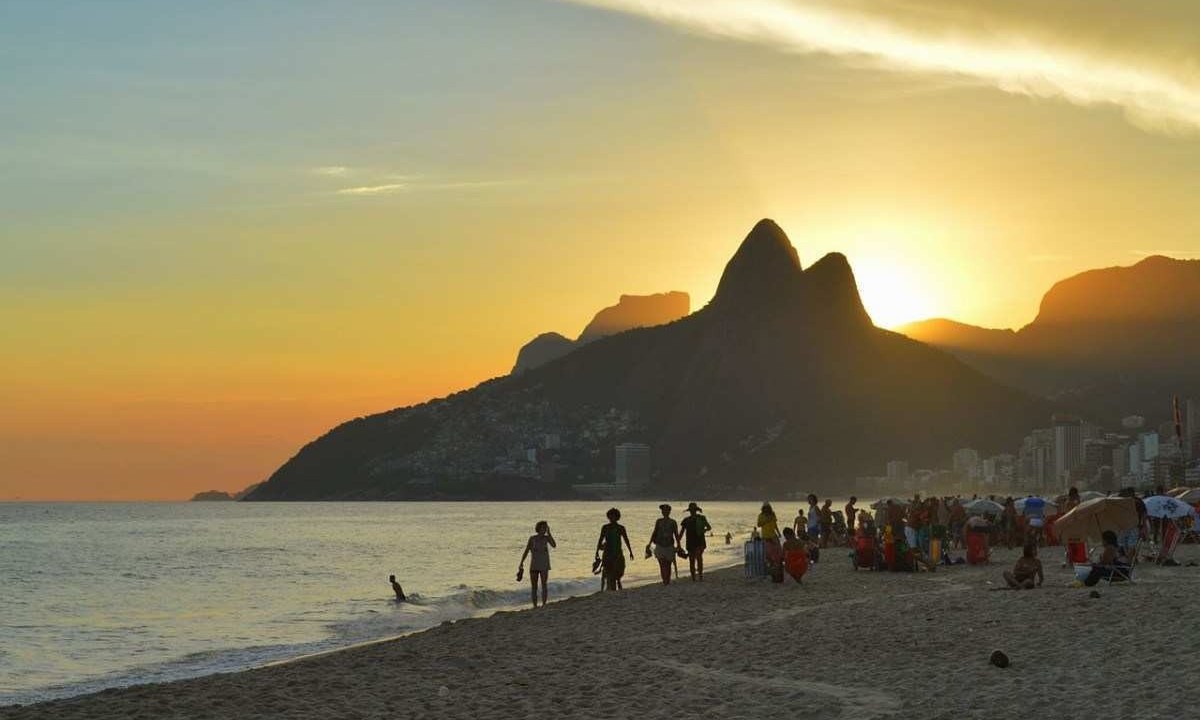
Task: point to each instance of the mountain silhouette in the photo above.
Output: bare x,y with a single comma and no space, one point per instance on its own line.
1114,341
631,311
781,383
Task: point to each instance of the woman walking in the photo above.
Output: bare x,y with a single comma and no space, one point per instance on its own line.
539,567
665,539
608,548
770,535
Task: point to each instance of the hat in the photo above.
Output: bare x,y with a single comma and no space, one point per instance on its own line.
664,506
693,507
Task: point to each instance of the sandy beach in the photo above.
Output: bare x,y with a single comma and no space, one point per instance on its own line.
844,644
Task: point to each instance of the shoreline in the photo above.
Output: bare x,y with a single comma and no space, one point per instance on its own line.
844,643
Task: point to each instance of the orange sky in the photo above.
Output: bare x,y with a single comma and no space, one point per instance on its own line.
220,243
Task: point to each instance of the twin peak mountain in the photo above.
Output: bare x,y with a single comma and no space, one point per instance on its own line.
781,382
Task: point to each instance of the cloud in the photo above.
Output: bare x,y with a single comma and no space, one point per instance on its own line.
1015,47
331,171
416,184
388,189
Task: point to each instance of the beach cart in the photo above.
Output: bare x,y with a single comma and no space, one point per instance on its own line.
755,558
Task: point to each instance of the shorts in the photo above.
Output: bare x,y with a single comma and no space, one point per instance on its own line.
664,553
614,567
814,531
697,549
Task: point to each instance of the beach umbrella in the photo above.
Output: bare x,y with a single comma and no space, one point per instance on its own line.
1191,497
983,506
1090,495
881,502
1165,506
1177,491
1049,509
1092,517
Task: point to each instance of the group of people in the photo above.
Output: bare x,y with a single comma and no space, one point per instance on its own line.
668,540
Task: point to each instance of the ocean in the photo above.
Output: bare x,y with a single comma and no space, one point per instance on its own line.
100,595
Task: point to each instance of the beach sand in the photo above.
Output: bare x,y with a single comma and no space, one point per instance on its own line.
853,644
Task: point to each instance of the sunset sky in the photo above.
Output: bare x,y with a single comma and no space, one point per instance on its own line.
227,226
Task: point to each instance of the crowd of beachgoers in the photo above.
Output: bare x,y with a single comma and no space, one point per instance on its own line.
908,535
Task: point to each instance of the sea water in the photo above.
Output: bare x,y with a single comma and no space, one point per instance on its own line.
99,595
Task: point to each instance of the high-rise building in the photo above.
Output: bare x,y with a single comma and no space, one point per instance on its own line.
633,465
966,463
897,473
1068,445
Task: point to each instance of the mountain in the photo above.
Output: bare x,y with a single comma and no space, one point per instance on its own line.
780,383
631,311
1115,341
222,496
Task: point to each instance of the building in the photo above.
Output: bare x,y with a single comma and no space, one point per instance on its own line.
966,463
1068,445
897,473
633,466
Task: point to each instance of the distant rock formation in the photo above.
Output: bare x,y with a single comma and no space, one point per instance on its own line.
222,496
632,311
781,383
1115,341
212,496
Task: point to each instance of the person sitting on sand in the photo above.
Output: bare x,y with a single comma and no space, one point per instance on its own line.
539,567
665,539
694,526
613,562
1112,561
1026,571
795,554
400,596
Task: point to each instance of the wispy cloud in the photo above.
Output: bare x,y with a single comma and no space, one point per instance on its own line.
417,184
331,171
388,189
1154,96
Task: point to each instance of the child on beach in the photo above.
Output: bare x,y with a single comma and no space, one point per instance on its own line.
539,567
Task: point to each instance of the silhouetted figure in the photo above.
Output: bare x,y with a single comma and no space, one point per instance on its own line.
538,549
400,596
613,560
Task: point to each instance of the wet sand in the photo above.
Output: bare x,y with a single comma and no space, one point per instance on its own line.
853,644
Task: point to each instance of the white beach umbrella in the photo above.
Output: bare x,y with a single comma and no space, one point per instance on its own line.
983,506
1090,495
1092,517
1165,506
881,502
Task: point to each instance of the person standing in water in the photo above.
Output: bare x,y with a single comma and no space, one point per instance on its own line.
665,538
694,527
539,566
613,560
400,596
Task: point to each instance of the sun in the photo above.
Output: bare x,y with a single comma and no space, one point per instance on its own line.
893,292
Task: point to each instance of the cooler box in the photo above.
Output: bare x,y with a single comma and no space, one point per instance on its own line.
864,552
755,559
977,548
796,563
1077,552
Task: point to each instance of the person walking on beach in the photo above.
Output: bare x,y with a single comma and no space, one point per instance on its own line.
539,566
608,547
694,527
665,539
400,596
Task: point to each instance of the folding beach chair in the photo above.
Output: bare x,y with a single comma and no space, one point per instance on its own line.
1122,573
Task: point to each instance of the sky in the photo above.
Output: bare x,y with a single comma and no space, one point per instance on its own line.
227,227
